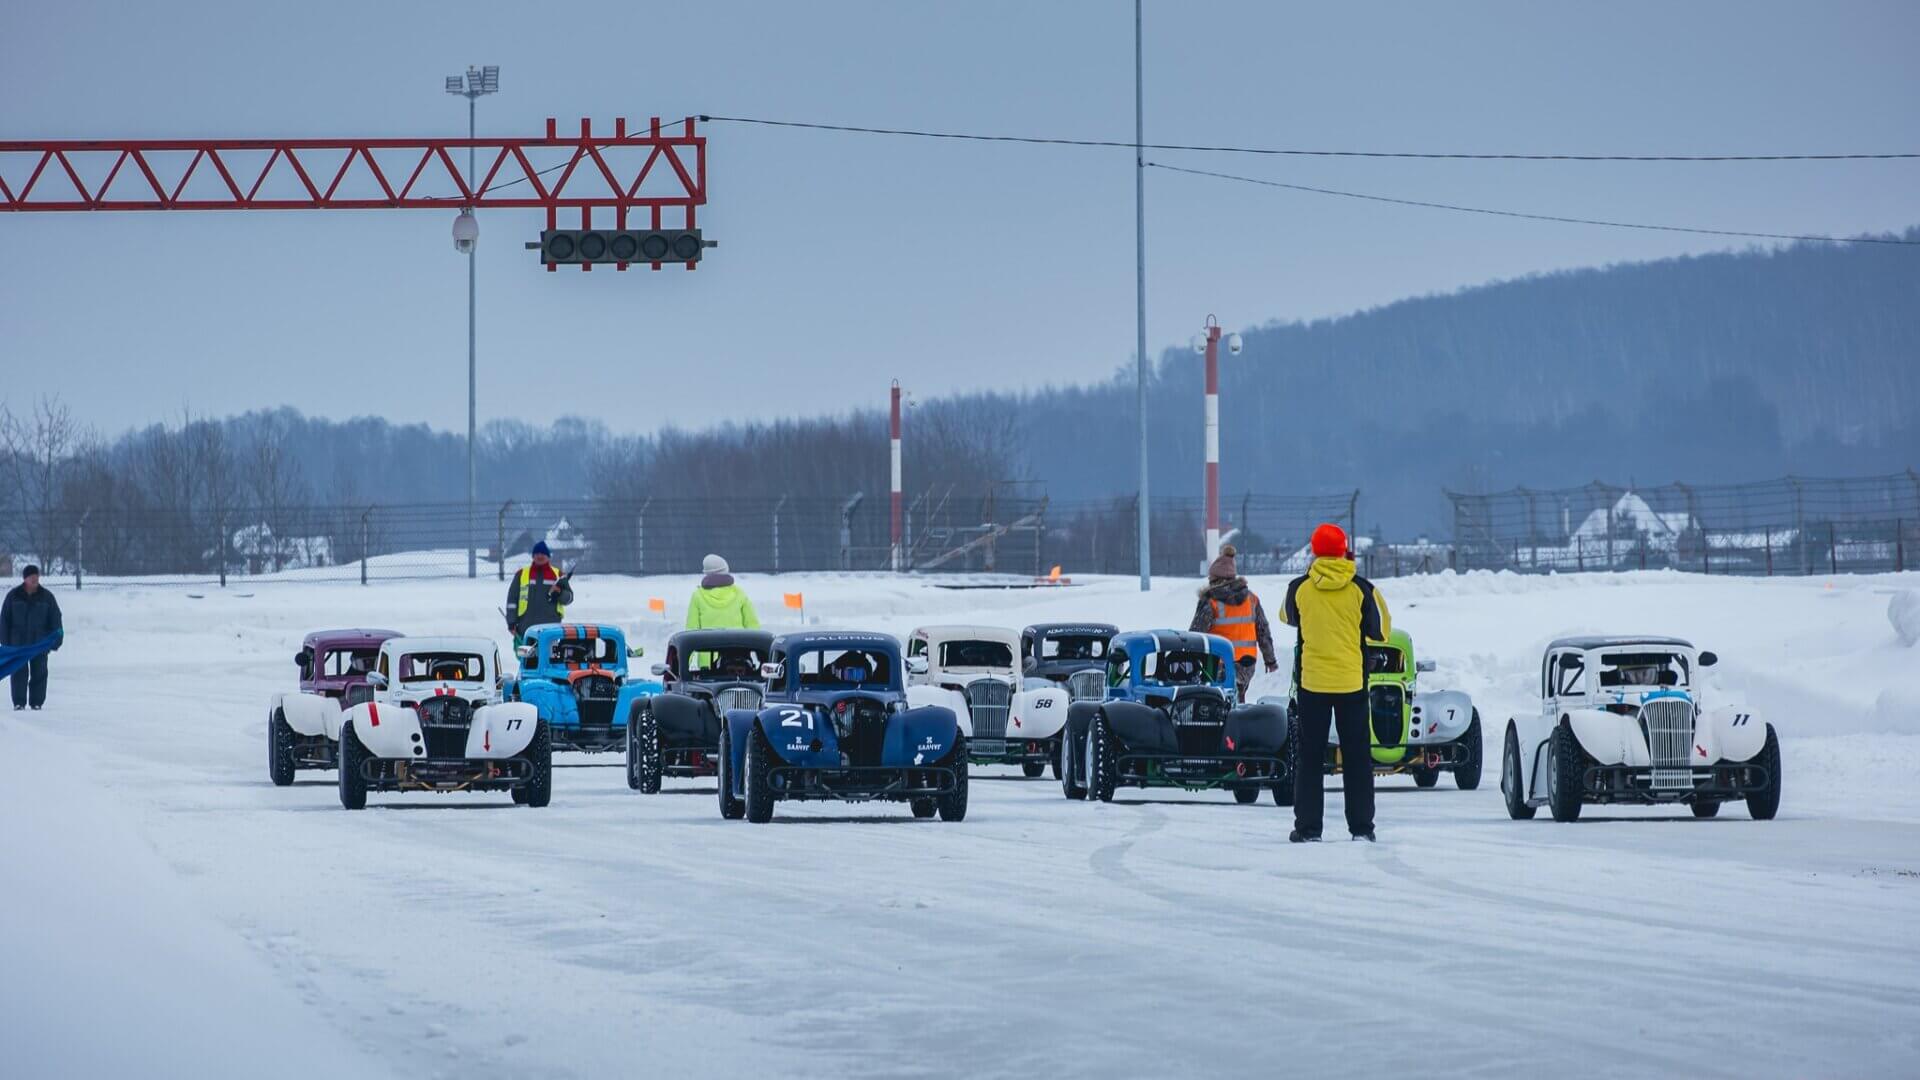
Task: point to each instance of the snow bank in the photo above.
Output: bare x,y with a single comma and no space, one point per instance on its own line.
1903,611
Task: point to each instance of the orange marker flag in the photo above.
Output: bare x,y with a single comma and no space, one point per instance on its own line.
657,605
795,600
1054,575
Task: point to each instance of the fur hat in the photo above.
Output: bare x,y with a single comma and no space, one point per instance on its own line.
714,564
1223,568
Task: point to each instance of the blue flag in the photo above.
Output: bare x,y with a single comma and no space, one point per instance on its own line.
15,657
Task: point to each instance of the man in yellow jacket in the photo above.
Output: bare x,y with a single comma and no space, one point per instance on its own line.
718,603
1335,612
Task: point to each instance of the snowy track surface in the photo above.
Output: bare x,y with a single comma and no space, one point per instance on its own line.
169,913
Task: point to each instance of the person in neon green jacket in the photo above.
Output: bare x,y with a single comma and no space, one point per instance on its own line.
718,603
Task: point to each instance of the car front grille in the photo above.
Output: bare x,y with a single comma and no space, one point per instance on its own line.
1669,727
596,688
989,701
443,726
1387,706
1088,685
736,697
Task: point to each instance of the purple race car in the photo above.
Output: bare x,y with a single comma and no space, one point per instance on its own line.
303,724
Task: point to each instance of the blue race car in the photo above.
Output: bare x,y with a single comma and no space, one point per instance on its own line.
1169,719
575,674
835,726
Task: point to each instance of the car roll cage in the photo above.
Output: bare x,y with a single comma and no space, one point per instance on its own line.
862,783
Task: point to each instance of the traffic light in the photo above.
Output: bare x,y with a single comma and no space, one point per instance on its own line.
576,246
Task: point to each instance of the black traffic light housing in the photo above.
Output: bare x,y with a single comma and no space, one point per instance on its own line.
569,247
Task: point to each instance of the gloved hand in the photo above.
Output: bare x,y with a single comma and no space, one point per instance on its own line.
1272,667
59,639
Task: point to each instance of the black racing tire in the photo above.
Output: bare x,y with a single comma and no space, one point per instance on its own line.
1063,768
1564,761
1105,775
731,808
1283,787
924,807
643,751
538,790
953,805
1466,775
1061,739
1423,776
1705,808
1032,770
759,783
1764,803
1245,795
353,786
280,766
1513,782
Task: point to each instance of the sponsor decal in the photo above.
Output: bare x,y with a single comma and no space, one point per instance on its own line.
927,744
798,744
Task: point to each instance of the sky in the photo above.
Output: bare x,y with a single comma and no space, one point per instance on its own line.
847,261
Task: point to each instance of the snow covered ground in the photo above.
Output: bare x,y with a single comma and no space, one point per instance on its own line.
169,913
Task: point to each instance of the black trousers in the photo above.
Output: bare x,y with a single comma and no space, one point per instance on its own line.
1316,714
30,684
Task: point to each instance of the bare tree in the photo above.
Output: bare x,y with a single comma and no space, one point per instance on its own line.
277,488
36,449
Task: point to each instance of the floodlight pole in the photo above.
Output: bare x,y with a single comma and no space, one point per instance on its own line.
473,570
1140,283
1211,463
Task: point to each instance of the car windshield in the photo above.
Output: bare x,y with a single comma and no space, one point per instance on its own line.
441,667
843,668
1643,669
1385,660
739,664
1073,647
1182,668
584,652
975,654
349,663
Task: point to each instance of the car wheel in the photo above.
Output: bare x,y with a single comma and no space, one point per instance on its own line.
1056,755
1063,768
1032,769
1467,773
758,783
280,768
1283,788
1245,795
1513,785
1705,808
731,808
1423,776
1102,777
1764,803
538,790
353,786
1563,774
953,805
924,807
643,754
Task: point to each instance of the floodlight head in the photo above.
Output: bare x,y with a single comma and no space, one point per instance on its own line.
454,86
490,78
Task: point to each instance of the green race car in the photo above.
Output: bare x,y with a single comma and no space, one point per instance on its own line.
1420,733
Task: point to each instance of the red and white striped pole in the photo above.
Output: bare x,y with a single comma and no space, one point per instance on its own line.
894,440
1213,438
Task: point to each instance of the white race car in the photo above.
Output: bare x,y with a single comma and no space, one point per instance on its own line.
971,670
1622,721
436,723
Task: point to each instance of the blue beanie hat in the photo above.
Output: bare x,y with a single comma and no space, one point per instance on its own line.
540,548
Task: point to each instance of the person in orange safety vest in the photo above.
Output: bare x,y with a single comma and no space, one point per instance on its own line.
1230,609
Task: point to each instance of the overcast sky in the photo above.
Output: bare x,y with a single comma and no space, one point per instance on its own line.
849,260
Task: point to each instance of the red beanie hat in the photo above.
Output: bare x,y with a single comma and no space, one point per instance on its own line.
1330,541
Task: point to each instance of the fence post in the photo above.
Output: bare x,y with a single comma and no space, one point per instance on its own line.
1706,553
777,507
1833,551
1899,545
501,533
80,551
1800,527
846,528
220,552
1769,551
366,541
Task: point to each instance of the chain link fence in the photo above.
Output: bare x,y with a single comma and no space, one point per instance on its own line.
1793,525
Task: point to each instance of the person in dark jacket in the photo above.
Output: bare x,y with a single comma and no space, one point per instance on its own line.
28,616
538,595
1230,609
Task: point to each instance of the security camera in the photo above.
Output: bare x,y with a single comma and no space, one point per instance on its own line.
1233,344
466,232
1199,344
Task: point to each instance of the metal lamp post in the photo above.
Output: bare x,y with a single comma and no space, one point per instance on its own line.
1140,296
1208,344
479,81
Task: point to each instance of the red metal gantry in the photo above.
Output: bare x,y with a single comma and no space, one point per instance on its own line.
141,174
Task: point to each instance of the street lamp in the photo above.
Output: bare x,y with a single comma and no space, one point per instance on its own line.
479,81
1207,343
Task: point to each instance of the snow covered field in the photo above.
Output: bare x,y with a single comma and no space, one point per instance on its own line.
169,913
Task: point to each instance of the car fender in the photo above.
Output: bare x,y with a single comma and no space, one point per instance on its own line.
553,702
1609,737
1730,733
386,730
799,735
1256,728
633,693
739,724
920,736
501,730
1037,714
310,714
1441,716
924,696
684,719
1141,728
